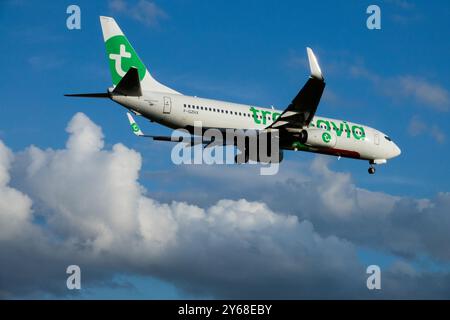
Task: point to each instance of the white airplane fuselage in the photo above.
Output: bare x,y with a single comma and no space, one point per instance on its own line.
180,111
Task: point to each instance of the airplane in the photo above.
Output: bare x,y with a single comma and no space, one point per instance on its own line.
298,127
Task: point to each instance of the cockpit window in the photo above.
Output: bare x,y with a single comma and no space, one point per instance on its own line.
387,138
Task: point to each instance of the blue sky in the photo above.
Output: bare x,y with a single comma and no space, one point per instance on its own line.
394,79
244,52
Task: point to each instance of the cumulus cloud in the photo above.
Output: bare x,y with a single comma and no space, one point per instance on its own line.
331,202
92,211
84,205
146,12
15,207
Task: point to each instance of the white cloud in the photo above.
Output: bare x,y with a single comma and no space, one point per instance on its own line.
407,87
400,88
95,213
417,127
15,207
144,11
438,134
84,205
330,201
423,91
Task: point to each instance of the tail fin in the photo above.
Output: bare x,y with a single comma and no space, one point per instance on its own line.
122,57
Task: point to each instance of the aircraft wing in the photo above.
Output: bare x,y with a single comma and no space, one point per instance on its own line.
301,110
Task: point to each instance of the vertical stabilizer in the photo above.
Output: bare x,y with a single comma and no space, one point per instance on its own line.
122,57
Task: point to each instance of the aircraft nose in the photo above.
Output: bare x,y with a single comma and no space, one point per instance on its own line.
396,151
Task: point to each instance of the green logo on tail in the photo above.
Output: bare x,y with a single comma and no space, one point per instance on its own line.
121,57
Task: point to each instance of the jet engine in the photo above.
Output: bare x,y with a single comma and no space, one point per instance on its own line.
318,138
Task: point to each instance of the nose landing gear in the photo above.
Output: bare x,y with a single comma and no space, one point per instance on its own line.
371,168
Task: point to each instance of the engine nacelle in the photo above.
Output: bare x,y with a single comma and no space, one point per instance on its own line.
318,138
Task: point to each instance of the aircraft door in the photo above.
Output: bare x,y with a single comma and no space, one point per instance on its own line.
167,105
377,138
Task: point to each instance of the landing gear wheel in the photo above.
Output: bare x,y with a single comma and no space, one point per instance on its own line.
371,170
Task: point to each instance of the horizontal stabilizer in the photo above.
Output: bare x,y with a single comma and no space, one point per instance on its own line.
134,126
89,95
130,84
190,141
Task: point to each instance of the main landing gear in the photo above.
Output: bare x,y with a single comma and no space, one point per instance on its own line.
371,168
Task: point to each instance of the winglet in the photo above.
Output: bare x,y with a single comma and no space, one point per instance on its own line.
314,65
134,126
